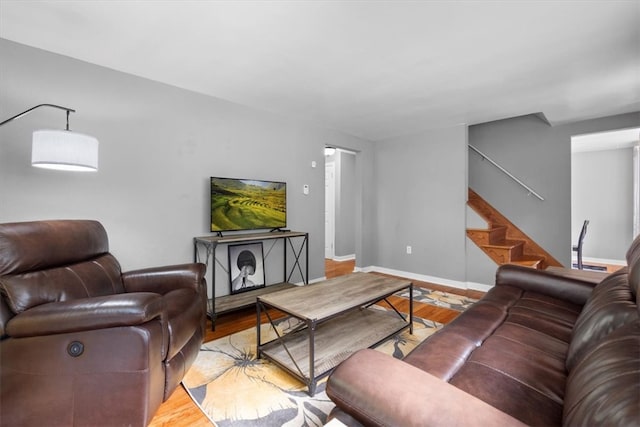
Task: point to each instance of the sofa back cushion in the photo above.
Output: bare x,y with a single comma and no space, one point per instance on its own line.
603,387
46,261
610,306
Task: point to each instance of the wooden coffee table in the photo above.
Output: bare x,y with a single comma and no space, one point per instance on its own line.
336,319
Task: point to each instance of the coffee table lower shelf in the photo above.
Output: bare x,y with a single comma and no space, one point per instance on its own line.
228,303
331,342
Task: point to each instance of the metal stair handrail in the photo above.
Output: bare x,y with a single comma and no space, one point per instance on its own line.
506,172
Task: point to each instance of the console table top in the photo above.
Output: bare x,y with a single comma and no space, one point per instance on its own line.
249,236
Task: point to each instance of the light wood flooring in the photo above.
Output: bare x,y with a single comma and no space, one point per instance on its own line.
180,411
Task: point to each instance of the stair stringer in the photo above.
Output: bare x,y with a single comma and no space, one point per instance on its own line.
504,242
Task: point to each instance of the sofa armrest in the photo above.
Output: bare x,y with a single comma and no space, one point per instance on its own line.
563,287
377,389
87,314
162,280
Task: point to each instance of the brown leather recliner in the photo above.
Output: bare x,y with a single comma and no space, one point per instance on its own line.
82,343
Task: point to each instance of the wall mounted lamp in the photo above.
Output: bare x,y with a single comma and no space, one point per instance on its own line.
61,149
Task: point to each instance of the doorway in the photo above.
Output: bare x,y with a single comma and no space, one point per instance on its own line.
340,205
604,174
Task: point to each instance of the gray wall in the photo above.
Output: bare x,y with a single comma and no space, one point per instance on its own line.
602,192
158,147
539,155
366,210
421,195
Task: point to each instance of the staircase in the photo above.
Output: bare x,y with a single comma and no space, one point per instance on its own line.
502,241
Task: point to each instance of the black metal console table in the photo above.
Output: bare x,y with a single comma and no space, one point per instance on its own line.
296,240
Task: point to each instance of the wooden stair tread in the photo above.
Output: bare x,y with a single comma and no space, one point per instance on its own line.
507,244
492,228
487,236
528,262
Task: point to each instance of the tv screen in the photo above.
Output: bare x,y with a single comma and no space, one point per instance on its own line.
247,204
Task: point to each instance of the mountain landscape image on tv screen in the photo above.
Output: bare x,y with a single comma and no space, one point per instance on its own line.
244,204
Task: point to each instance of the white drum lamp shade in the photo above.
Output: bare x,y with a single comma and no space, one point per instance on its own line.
61,149
64,150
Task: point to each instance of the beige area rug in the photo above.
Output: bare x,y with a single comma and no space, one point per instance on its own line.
439,298
233,388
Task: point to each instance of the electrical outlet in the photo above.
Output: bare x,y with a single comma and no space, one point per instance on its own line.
409,250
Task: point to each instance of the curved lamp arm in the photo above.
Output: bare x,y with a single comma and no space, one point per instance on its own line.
17,116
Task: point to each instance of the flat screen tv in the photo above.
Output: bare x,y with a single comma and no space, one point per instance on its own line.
247,204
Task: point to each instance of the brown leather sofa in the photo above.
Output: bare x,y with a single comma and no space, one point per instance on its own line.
538,349
83,343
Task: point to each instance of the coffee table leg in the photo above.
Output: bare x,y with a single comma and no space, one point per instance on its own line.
411,308
311,326
259,315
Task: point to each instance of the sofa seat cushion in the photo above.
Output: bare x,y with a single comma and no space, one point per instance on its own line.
184,316
512,342
524,359
447,351
508,394
443,354
534,378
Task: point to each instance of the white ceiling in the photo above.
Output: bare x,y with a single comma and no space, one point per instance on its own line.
375,69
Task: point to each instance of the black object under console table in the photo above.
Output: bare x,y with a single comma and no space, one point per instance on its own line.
296,240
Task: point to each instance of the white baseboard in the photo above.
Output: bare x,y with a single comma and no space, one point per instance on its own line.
425,278
343,258
482,287
602,261
479,286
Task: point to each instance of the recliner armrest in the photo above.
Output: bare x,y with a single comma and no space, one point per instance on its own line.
87,314
566,288
165,279
378,390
